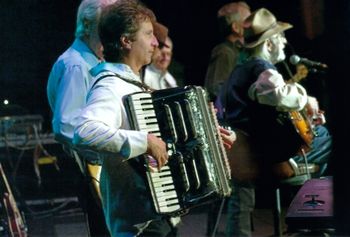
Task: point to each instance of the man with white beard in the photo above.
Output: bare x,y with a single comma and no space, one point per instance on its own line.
256,100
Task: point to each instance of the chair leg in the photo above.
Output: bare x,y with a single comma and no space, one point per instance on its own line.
277,214
211,218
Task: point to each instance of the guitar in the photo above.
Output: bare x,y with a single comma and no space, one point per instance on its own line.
15,223
94,172
299,119
303,127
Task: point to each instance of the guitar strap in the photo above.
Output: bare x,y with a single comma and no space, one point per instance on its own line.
290,74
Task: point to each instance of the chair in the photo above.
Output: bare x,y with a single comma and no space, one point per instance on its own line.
295,181
303,173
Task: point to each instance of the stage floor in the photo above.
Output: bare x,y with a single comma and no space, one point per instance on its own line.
51,207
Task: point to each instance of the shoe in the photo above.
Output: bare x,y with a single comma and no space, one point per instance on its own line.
300,168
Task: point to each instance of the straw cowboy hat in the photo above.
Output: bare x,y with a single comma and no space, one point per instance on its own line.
261,25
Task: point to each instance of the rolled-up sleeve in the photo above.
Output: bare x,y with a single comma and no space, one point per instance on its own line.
271,89
103,124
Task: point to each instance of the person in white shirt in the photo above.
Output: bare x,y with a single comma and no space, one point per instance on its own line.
156,75
127,36
126,32
71,70
67,88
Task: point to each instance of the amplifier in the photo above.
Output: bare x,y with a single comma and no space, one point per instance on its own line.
312,207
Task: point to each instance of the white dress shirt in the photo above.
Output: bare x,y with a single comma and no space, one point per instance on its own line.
103,124
67,87
271,89
103,127
157,79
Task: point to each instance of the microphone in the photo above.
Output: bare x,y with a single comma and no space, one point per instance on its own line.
295,59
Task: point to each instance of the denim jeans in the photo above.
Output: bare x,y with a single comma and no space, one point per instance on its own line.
240,206
320,152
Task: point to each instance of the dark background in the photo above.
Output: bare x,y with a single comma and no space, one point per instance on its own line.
35,32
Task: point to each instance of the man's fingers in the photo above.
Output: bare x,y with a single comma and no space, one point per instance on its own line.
224,131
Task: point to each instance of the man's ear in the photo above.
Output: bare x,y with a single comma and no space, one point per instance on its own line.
269,45
125,42
235,27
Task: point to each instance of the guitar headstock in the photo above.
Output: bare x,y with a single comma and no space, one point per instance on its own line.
301,73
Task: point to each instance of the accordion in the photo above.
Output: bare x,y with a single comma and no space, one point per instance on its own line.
197,171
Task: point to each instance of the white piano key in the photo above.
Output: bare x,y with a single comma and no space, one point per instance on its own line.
142,100
160,180
161,197
148,121
162,170
164,188
146,113
165,167
151,127
157,134
140,107
139,96
167,209
160,174
163,183
168,203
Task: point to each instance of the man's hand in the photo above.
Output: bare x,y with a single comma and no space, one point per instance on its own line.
228,137
313,111
312,107
156,149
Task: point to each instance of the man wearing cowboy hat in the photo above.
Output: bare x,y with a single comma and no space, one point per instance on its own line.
256,95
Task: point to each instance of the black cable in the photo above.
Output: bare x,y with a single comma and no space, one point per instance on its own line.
218,217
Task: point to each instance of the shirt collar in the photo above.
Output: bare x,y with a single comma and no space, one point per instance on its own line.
86,53
119,68
156,70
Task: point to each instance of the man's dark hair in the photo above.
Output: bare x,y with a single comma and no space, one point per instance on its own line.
121,19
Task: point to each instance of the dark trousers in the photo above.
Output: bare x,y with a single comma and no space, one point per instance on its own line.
92,208
239,207
95,217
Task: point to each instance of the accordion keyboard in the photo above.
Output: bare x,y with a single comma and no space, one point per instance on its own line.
162,183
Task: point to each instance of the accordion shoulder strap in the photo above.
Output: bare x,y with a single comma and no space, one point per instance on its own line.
142,85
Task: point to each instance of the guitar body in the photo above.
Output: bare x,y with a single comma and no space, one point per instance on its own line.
15,223
94,171
303,128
